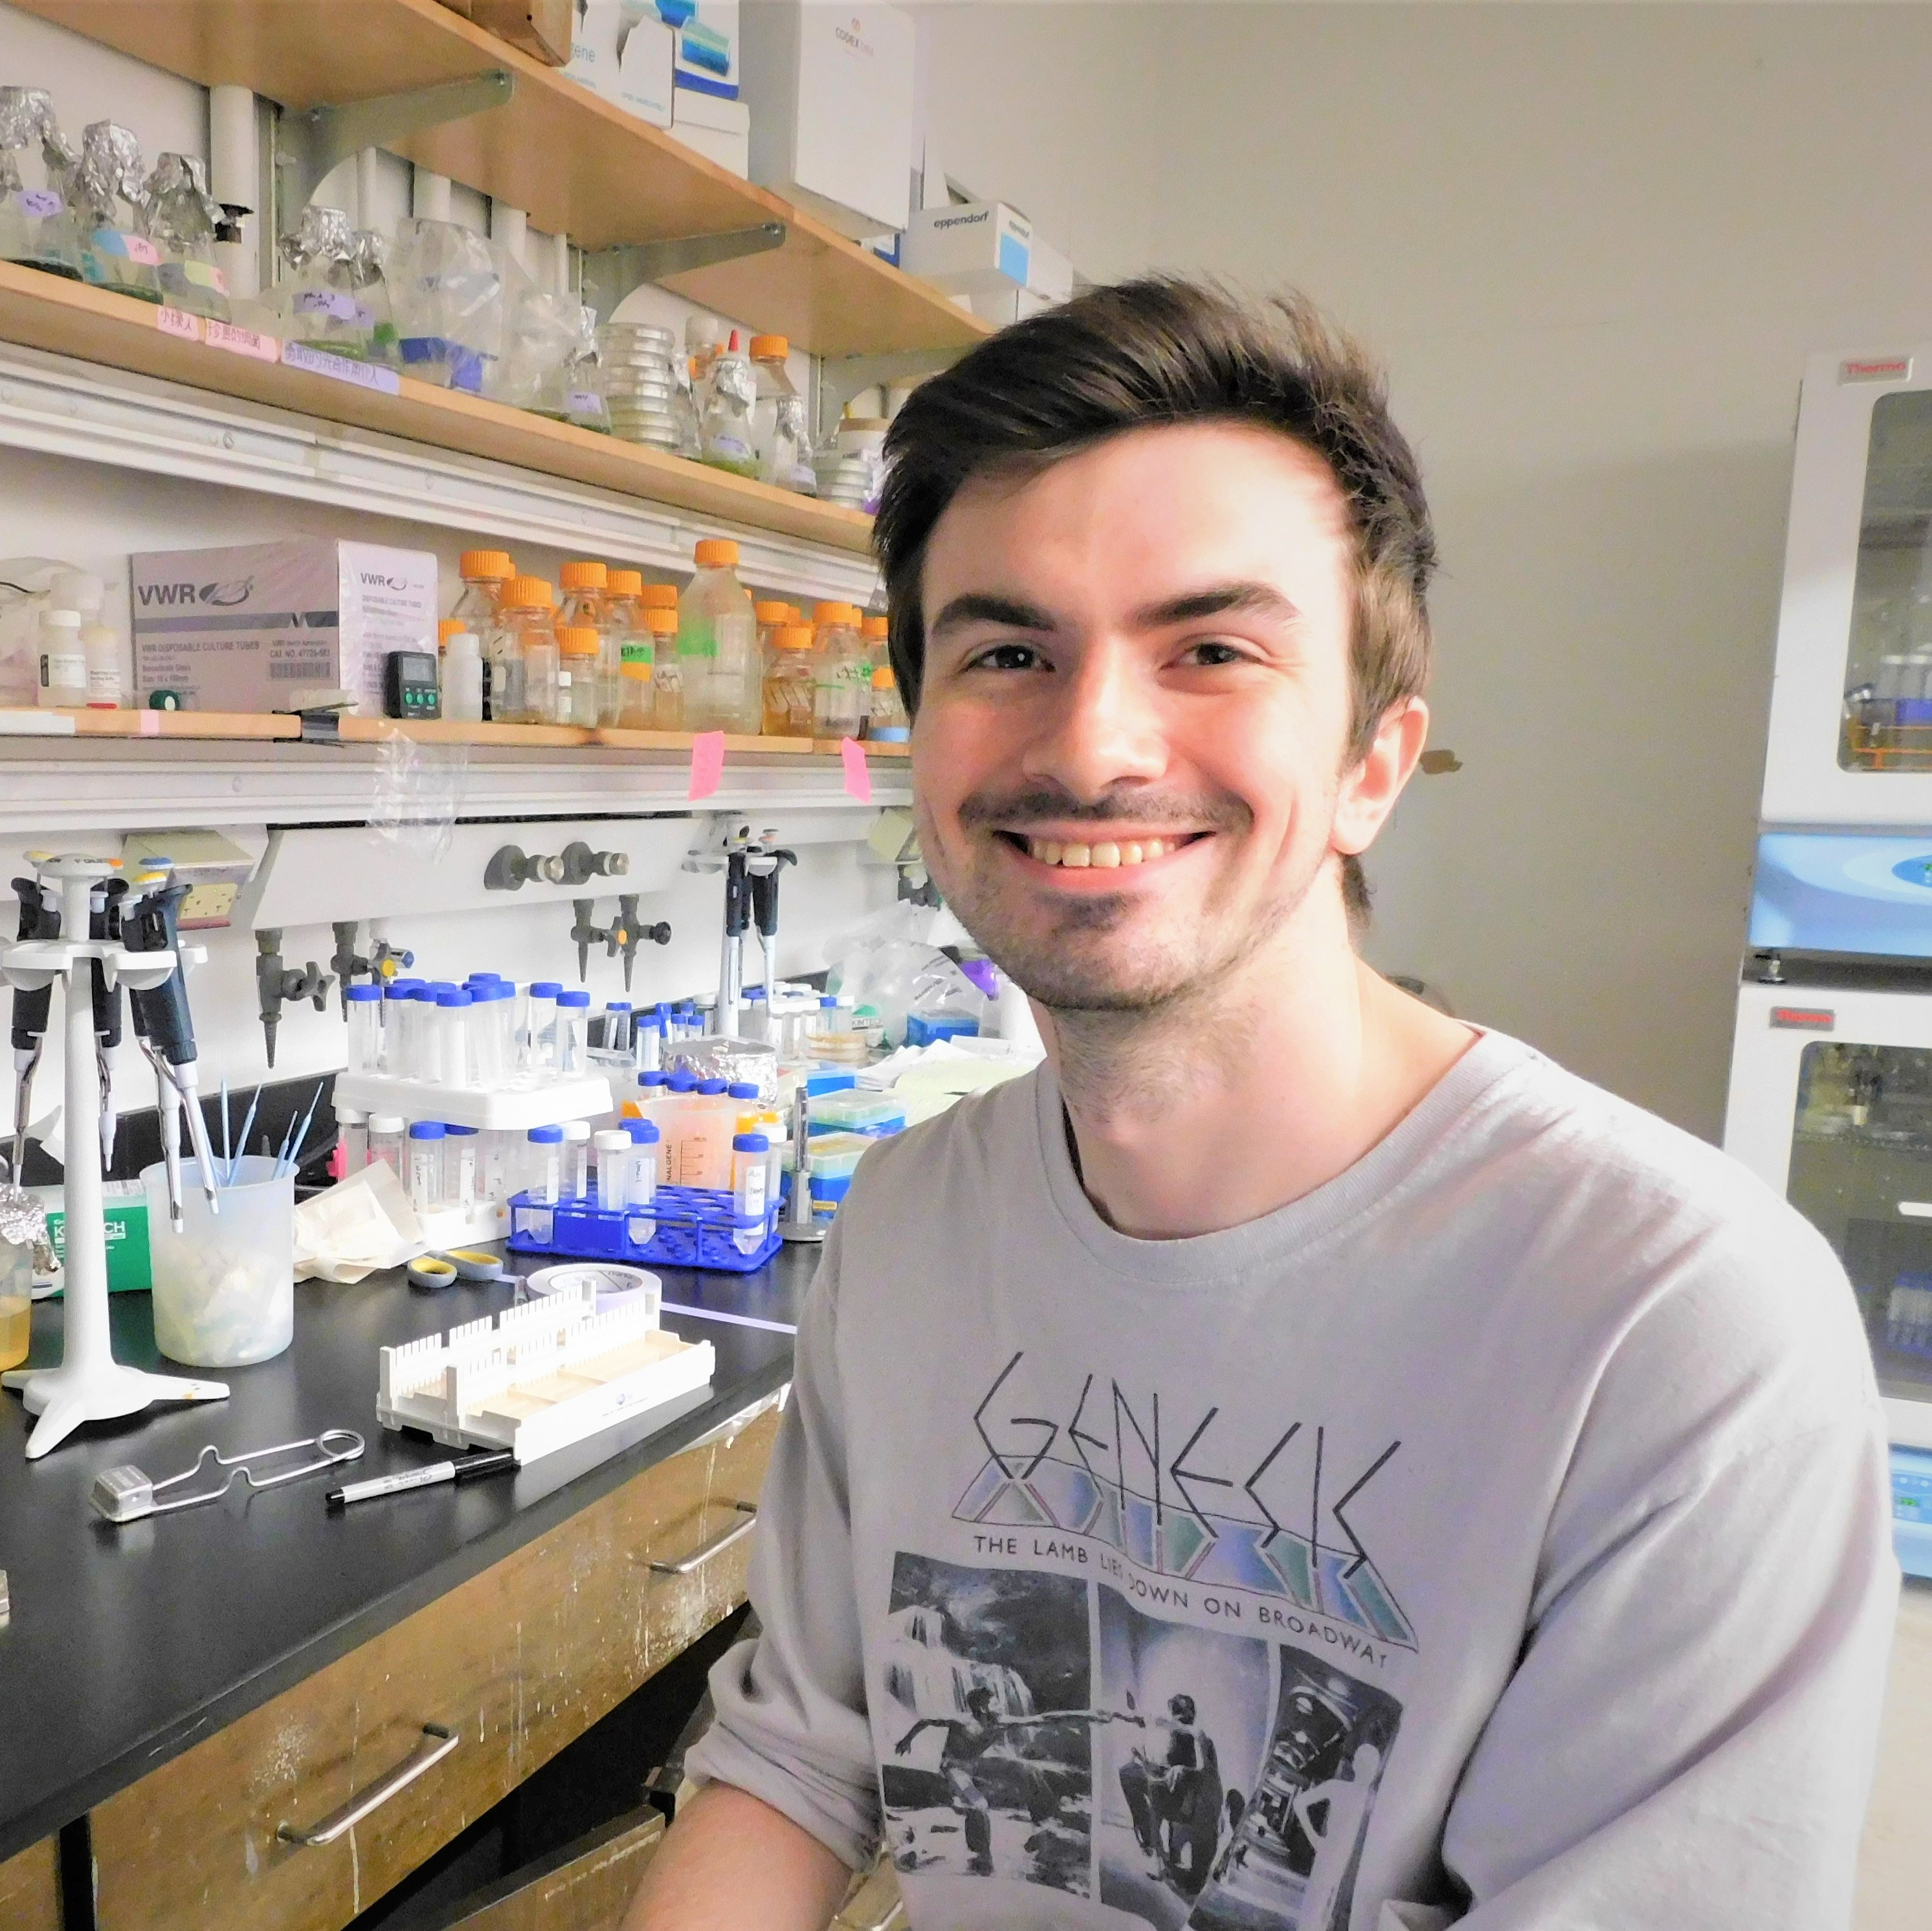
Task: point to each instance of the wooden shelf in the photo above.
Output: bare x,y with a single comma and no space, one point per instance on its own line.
577,165
69,318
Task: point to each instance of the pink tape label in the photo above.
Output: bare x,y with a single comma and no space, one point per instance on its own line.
151,723
707,763
858,778
244,342
177,321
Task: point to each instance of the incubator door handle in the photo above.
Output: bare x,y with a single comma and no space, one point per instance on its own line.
435,1744
705,1551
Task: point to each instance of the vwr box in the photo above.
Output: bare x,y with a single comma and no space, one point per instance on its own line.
244,629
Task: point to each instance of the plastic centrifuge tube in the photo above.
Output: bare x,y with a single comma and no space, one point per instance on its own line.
751,1184
573,1031
540,1026
454,1062
614,1169
364,1006
576,1159
544,1180
385,1142
640,1185
462,1158
426,1139
647,1041
351,1131
617,1025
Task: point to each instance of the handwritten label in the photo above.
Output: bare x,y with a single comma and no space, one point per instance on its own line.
340,368
40,202
584,402
174,322
248,342
707,763
858,777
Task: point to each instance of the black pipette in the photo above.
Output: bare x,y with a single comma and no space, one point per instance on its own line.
38,920
152,923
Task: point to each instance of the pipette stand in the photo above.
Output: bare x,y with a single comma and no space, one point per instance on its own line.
89,1384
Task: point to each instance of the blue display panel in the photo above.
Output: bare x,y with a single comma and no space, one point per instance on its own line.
1836,891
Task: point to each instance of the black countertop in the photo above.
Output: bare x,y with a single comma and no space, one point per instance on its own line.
128,1644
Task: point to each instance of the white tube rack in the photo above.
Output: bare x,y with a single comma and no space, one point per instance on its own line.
532,1101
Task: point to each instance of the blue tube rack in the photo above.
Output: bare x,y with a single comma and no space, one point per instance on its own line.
690,1227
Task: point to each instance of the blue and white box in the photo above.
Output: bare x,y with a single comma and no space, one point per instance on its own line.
707,57
972,248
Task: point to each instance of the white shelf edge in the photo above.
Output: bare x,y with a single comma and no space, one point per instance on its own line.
181,782
56,405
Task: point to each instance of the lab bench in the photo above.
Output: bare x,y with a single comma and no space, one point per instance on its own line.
188,1697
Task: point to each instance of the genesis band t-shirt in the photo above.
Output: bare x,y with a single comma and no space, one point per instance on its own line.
1501,1528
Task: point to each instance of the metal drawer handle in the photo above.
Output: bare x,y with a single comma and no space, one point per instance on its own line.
436,1743
705,1551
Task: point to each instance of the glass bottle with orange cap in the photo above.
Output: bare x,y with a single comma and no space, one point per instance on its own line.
725,428
658,604
788,683
485,573
840,676
586,605
778,431
718,645
579,677
529,661
629,639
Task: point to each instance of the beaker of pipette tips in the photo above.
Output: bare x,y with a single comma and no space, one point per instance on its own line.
224,1286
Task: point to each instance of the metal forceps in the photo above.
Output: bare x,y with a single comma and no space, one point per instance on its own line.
126,1494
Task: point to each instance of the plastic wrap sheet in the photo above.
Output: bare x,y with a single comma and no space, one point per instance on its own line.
418,789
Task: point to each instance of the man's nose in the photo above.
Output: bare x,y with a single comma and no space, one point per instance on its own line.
1104,724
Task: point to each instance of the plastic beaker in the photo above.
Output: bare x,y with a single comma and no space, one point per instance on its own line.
224,1286
17,1302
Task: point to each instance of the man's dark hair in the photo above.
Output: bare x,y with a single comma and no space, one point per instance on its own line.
1163,350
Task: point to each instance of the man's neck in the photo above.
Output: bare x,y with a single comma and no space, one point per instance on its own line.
1216,1111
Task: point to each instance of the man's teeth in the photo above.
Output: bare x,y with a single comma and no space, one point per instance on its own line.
1051,851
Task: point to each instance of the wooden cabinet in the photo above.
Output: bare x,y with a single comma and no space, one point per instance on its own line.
30,1889
512,1665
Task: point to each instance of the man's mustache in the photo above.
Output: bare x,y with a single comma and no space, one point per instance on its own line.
1146,811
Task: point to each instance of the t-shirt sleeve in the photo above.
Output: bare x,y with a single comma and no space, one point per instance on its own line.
791,1726
1688,1736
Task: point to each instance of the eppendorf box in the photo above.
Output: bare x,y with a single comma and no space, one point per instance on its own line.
240,629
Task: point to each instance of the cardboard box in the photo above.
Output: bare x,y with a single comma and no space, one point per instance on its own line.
213,868
124,1205
707,44
541,29
717,129
239,629
831,91
1049,273
973,247
623,59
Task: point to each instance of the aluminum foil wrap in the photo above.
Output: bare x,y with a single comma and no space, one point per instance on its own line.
176,209
25,112
322,234
110,169
23,1223
368,257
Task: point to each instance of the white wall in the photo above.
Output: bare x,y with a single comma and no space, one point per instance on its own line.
1594,244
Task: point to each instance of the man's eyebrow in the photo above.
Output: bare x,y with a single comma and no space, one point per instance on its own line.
981,607
1216,600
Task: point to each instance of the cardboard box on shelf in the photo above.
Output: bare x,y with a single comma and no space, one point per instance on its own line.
624,61
717,129
238,629
539,28
831,91
707,44
972,248
1049,273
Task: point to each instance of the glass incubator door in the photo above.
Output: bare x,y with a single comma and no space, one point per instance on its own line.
1887,723
1861,1173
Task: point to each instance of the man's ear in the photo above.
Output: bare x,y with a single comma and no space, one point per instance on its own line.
1368,793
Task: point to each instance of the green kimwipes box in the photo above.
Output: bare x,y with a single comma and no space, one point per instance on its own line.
124,1210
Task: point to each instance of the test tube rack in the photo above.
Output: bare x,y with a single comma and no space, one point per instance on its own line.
541,1376
681,1226
533,1100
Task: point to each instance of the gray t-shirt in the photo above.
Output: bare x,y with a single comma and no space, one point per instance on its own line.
1503,1526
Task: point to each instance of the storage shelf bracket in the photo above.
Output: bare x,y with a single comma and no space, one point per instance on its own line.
611,274
842,377
310,143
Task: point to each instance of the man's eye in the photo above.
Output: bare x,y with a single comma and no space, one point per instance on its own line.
1213,653
1007,657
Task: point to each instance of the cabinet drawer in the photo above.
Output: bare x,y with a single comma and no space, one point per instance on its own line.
30,1889
512,1664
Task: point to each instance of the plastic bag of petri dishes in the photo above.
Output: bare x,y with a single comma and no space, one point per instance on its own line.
114,253
37,167
177,215
446,287
542,337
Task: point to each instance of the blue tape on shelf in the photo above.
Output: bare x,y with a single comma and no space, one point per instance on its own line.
684,1227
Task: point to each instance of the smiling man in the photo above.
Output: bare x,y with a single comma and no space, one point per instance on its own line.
1495,1471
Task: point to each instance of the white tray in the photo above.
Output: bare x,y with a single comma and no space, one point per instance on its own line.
515,1108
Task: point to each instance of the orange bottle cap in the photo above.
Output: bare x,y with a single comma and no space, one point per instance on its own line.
486,563
527,593
795,637
584,576
716,552
448,629
834,613
769,348
626,583
772,614
659,596
663,622
875,626
882,678
577,641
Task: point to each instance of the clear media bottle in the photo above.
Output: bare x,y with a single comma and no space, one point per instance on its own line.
613,1150
486,574
543,1174
587,605
718,645
888,723
667,672
363,1007
529,650
573,1031
426,1139
629,632
838,673
578,682
386,1143
788,683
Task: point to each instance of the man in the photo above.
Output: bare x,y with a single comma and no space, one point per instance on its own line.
1515,1430
1174,1797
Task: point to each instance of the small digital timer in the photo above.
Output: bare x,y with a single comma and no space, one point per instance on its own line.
410,689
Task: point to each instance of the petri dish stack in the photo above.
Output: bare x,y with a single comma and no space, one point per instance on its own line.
641,382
